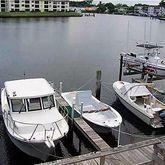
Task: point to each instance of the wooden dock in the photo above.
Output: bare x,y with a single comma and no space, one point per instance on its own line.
148,152
90,134
84,128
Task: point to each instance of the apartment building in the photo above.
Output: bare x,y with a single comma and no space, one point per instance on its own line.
34,5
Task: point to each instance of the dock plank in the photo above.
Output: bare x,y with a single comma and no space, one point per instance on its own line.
92,136
131,154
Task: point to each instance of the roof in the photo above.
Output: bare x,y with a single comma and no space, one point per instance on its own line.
28,88
135,89
148,46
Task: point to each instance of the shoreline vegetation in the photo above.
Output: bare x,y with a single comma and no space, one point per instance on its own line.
38,14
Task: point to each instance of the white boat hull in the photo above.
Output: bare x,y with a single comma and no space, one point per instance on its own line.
136,112
37,150
150,68
99,128
146,114
99,115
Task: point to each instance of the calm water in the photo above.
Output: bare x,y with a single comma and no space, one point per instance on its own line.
71,50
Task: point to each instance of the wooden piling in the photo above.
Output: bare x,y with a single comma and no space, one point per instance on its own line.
143,72
81,108
121,67
61,86
98,84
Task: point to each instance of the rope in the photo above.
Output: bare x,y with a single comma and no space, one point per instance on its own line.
108,83
133,135
60,157
86,83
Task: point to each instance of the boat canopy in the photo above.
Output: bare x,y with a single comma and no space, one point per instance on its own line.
149,46
28,88
135,89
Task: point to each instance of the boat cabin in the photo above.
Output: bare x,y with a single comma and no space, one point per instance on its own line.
29,95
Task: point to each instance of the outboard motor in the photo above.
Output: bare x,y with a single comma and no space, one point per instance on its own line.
162,115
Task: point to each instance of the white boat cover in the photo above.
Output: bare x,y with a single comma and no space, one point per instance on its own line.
89,103
135,89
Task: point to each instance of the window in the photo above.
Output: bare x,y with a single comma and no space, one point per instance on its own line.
46,2
36,6
18,105
2,5
48,102
36,2
16,5
33,104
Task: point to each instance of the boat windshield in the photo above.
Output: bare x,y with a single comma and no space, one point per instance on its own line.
18,105
33,104
48,102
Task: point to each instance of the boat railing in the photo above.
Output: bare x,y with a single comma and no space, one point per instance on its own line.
13,124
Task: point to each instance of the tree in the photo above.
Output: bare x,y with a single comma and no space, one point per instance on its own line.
131,9
162,3
101,8
110,7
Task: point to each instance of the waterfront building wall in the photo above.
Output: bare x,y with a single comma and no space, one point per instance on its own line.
34,5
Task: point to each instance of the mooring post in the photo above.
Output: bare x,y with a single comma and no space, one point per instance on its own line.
61,85
72,114
143,72
119,134
121,67
81,109
102,160
98,84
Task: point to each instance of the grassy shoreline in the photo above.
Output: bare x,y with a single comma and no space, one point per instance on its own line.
38,14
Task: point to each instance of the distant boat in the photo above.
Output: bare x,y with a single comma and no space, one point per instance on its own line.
31,117
152,63
140,101
99,115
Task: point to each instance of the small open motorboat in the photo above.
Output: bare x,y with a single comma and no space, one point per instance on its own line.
31,117
99,115
140,101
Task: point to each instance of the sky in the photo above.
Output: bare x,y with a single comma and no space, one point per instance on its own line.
130,2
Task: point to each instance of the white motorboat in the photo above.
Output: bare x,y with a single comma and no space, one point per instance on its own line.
139,100
31,117
99,115
150,60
